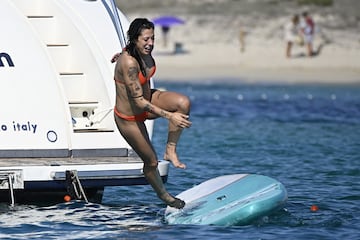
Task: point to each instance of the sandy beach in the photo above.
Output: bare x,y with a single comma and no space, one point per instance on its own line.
259,63
211,50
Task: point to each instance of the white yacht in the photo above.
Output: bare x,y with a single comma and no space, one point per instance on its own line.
57,131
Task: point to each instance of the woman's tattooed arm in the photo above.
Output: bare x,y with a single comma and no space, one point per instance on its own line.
134,86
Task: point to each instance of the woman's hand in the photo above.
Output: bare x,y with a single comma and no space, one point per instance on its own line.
180,120
115,57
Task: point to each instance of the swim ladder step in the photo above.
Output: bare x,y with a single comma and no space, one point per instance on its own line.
82,102
40,16
71,73
92,130
57,45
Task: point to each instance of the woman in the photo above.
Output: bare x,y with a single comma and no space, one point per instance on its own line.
307,27
292,34
136,102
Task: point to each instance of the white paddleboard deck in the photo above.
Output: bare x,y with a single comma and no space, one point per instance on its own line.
229,200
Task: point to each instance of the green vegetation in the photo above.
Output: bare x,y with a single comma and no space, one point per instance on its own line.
316,2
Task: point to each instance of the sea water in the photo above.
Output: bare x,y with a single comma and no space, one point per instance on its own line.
306,136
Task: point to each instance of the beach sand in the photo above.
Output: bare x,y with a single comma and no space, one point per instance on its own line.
210,62
211,51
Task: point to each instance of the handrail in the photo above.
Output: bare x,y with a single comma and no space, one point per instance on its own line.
116,21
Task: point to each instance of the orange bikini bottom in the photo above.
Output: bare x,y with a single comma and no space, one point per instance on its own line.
139,118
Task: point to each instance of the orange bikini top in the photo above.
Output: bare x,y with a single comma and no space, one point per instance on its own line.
143,80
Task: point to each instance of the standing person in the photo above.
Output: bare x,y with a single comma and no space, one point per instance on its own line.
242,35
307,28
136,102
292,34
165,32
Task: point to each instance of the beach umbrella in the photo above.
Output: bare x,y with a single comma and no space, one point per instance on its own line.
167,21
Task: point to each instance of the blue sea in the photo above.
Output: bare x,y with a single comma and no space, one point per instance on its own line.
305,136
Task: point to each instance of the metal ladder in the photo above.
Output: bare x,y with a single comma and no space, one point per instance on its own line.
73,185
11,180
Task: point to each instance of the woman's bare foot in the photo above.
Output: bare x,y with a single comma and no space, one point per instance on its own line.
177,203
173,201
170,155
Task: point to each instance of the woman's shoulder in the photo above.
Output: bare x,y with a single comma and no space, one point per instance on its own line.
126,60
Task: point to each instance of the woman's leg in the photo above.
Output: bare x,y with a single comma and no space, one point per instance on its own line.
136,135
309,49
172,102
288,49
309,45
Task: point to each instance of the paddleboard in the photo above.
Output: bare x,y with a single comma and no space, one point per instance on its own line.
229,200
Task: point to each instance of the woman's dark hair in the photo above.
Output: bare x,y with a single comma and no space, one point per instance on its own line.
133,33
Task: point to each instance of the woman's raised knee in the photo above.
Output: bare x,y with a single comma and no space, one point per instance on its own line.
184,104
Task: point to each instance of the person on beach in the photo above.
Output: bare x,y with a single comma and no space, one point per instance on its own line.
308,29
165,32
292,34
136,102
242,34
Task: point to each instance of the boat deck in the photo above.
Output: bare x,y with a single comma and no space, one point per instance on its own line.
94,172
15,162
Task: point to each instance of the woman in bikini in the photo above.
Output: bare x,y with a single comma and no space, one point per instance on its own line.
136,102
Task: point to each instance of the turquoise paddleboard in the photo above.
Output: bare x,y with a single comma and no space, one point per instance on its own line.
229,200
